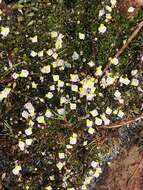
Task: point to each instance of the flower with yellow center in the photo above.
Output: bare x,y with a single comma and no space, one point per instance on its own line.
98,121
91,130
50,52
114,61
46,69
89,123
49,95
74,77
81,36
73,139
102,28
4,93
98,71
135,82
41,119
16,170
54,34
24,73
34,39
5,31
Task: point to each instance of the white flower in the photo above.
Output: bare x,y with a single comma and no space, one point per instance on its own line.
94,113
74,77
55,77
16,170
113,2
131,9
48,113
30,108
15,75
46,69
34,39
28,131
97,172
108,111
75,55
105,119
125,81
120,114
25,114
60,165
102,28
50,52
135,82
73,139
101,13
72,106
28,142
81,36
98,71
61,111
33,53
54,34
98,121
94,164
21,145
91,63
117,94
74,87
91,130
40,53
60,83
61,155
134,72
49,95
40,119
63,100
4,31
4,93
89,123
114,61
24,73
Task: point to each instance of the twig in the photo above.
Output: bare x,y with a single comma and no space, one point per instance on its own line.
133,35
117,125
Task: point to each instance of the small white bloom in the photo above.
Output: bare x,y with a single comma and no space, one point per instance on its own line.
16,170
49,95
30,108
108,111
41,119
94,164
61,111
117,94
101,13
120,114
135,82
98,121
131,9
25,114
21,145
54,34
94,113
55,77
134,72
61,155
114,61
81,36
50,52
60,165
40,53
34,39
74,77
24,73
89,123
28,131
46,69
73,139
33,53
28,142
72,106
102,28
75,56
91,64
91,130
4,31
4,93
48,113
